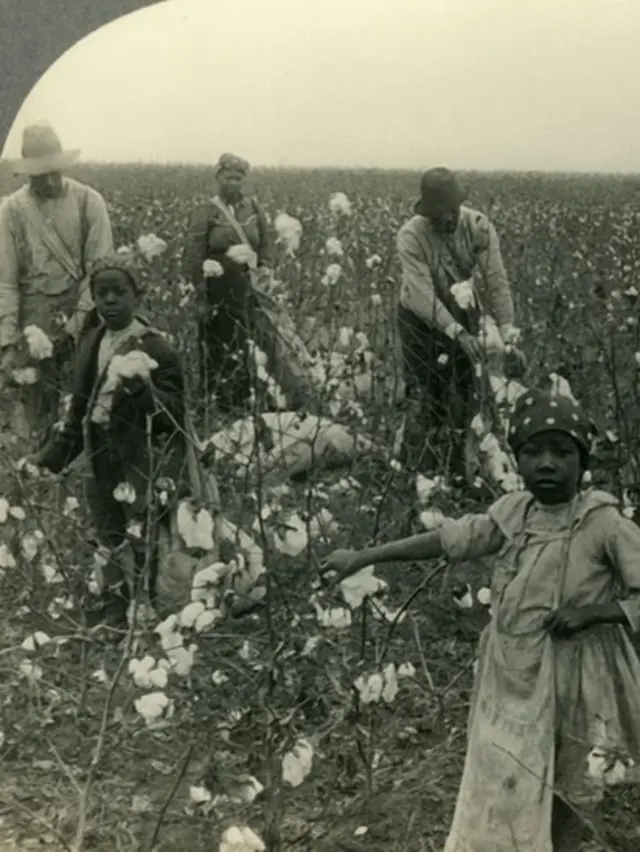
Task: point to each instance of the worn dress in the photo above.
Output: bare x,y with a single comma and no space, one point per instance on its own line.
225,331
134,436
540,705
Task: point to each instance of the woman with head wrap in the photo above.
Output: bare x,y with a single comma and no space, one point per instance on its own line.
223,281
227,258
558,679
128,414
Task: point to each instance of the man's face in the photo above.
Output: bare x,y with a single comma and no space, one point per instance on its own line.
48,185
445,219
231,182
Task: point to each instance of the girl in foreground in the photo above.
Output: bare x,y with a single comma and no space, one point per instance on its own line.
131,426
557,674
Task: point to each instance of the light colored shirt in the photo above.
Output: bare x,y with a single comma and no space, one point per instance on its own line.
432,263
27,267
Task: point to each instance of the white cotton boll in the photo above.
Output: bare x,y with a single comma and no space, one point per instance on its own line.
295,538
333,247
339,204
151,246
332,275
297,763
426,488
243,254
196,530
71,505
199,795
370,688
35,641
337,618
190,613
39,345
30,671
484,596
464,600
124,492
345,336
241,839
25,376
206,580
51,575
464,294
373,261
478,426
376,300
406,670
361,585
134,364
390,688
289,231
182,659
212,269
154,706
207,619
30,544
7,560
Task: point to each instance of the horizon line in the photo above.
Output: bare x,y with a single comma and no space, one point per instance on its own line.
168,164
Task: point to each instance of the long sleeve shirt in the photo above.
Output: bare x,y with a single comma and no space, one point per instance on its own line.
210,236
432,263
27,268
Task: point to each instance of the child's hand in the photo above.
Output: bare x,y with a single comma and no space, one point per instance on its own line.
340,562
566,621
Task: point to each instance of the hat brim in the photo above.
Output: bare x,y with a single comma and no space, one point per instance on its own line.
35,166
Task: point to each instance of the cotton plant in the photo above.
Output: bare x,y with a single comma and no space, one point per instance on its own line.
212,269
148,673
298,763
241,839
333,247
363,584
243,254
38,342
289,232
332,275
379,686
151,246
156,708
340,205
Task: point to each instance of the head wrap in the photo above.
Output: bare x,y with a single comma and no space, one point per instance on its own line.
124,260
232,163
439,192
540,411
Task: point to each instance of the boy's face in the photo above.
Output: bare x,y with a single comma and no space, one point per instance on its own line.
115,298
551,467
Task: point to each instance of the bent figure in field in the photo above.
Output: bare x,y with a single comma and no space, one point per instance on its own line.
51,231
228,258
128,414
452,275
558,676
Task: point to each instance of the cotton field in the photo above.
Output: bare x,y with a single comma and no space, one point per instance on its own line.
260,708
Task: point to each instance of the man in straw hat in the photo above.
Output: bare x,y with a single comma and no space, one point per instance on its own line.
452,275
51,231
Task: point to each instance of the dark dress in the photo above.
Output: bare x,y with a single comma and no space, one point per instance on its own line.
224,333
143,441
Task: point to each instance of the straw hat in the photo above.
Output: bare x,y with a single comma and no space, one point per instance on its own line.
42,152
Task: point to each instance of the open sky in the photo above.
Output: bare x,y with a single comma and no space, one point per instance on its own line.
480,84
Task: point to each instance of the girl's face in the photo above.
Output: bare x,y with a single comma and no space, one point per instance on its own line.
551,467
231,182
115,298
